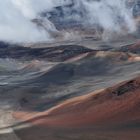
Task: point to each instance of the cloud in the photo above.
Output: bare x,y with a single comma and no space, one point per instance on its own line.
111,15
15,20
16,16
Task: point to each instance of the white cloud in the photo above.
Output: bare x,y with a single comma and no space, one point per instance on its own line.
16,16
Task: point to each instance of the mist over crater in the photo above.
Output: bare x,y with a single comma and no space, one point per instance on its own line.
46,20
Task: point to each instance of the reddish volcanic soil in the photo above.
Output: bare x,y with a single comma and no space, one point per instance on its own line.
117,105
